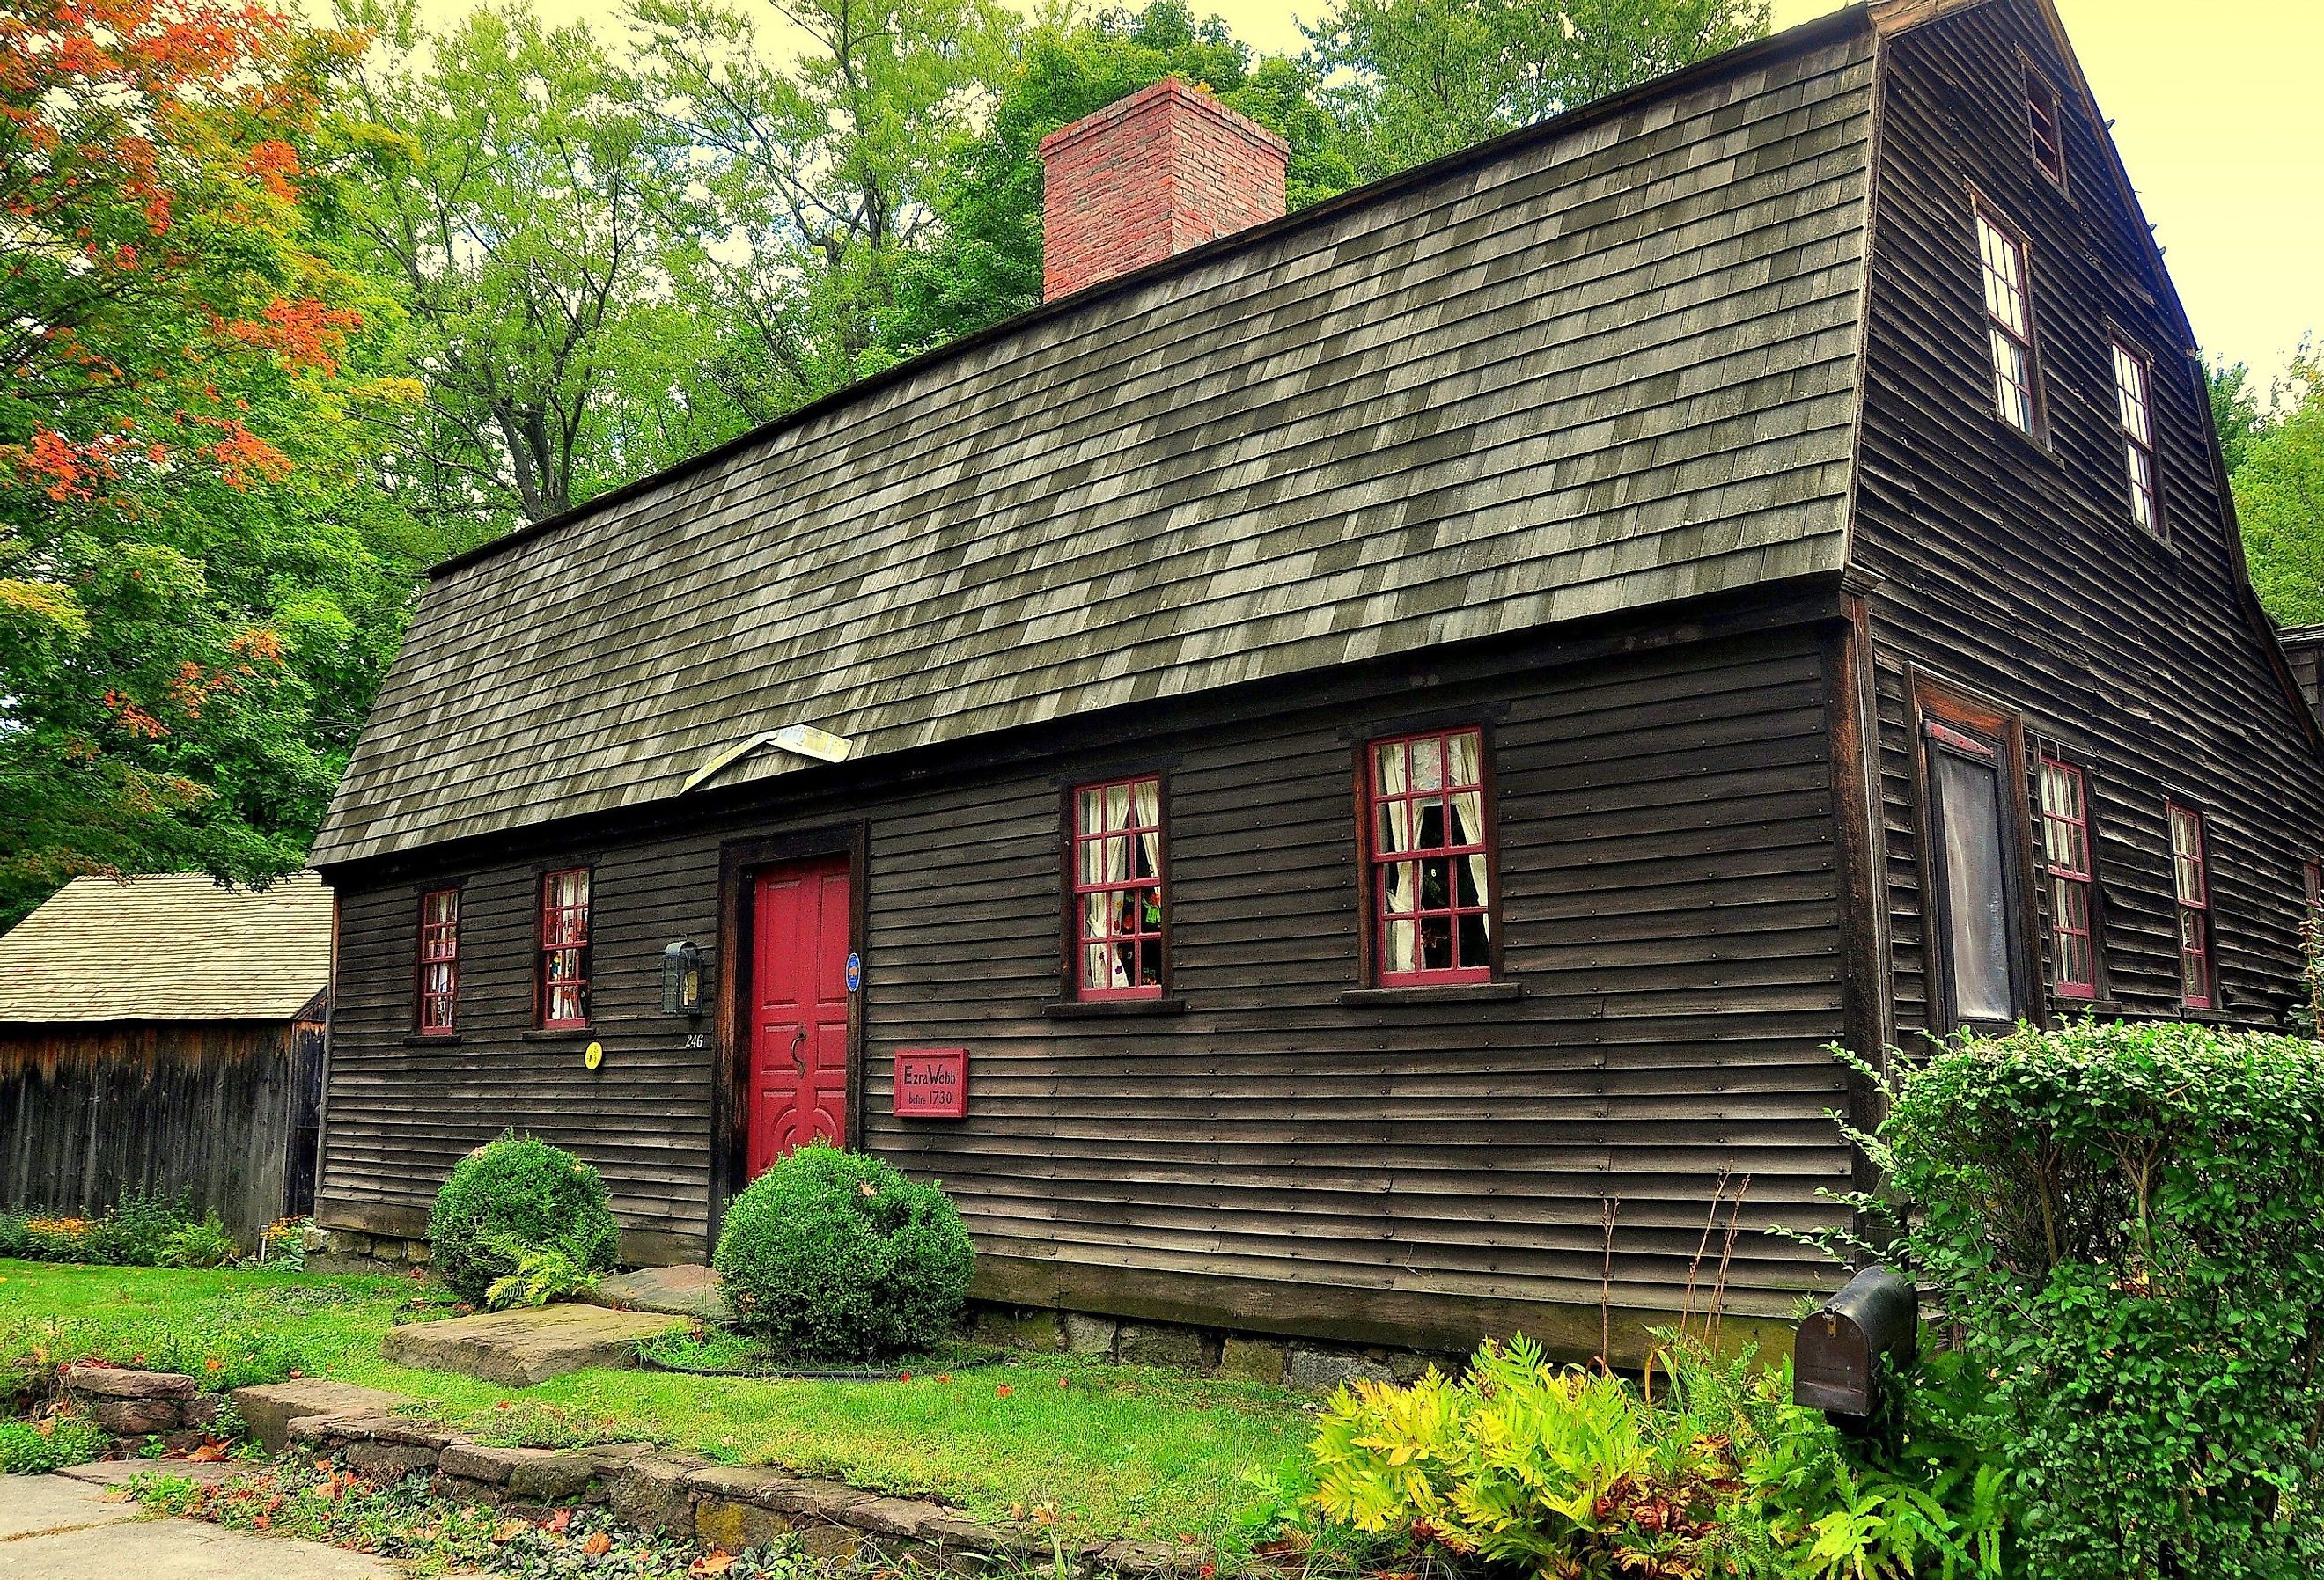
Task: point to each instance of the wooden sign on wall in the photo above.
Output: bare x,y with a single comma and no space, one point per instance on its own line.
932,1082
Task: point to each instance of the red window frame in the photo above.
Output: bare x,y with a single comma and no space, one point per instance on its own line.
2004,265
2134,400
438,1013
1415,876
1117,914
2190,881
2067,869
2045,127
562,974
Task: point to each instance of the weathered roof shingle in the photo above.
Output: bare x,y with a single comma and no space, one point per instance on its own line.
1602,365
171,946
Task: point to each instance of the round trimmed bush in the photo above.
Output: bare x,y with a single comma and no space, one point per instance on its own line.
517,1191
833,1255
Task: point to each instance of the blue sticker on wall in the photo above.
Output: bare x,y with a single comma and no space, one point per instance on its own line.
854,972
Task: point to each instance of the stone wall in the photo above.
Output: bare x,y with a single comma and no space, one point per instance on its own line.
1270,1358
135,1406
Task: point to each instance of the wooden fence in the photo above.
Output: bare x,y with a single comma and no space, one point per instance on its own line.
223,1112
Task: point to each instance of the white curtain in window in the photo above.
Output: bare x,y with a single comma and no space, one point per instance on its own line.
1400,949
1465,821
1149,814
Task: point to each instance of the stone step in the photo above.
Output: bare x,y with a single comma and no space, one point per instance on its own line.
686,1290
270,1408
530,1344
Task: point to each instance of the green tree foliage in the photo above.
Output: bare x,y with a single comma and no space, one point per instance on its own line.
197,589
2278,474
1416,78
986,263
815,181
518,194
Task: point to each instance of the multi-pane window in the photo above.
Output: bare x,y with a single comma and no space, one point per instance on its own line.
2043,126
2009,320
1430,866
2066,870
2134,407
565,949
1117,872
2190,875
1979,915
439,962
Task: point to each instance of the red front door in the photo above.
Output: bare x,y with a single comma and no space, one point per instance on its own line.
799,1009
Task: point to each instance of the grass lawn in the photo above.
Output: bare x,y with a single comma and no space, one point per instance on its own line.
1108,1450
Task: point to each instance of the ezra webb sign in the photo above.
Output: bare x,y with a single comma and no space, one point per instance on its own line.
932,1082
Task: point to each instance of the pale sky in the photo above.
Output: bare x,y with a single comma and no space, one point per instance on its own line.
2214,104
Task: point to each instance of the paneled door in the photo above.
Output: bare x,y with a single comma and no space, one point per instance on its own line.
799,1009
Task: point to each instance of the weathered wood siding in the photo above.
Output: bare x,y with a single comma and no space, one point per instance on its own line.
2017,568
1273,1156
212,1111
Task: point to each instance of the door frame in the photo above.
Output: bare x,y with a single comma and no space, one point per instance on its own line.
740,862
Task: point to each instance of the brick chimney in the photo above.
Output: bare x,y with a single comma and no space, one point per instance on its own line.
1162,170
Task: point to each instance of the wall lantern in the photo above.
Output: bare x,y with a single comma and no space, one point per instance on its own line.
681,980
1836,1352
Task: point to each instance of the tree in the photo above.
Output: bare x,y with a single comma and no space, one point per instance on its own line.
518,192
195,580
986,263
1424,77
2235,409
2279,488
813,183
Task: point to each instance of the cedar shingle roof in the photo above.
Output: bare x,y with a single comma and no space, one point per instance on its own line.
1599,365
172,946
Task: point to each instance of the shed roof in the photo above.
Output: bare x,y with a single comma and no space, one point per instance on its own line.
170,946
1605,363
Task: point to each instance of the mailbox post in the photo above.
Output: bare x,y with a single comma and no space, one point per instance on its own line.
1836,1352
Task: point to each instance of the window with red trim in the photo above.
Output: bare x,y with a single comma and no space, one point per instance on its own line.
565,949
1431,859
2134,384
439,962
2009,321
2066,871
1117,904
2190,875
2044,127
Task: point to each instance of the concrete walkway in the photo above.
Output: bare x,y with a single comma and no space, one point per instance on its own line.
58,1527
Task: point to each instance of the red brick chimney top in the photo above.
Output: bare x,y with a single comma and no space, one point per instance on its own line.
1166,169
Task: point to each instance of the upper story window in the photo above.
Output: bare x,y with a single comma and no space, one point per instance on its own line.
2009,320
1117,872
2190,875
2066,871
564,986
2134,405
439,962
2045,126
1430,858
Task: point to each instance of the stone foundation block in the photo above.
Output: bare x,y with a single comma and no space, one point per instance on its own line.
1090,1335
494,1466
1322,1370
830,1543
135,1416
201,1410
650,1495
1019,1330
1253,1360
1141,1344
730,1526
566,1475
269,1410
389,1463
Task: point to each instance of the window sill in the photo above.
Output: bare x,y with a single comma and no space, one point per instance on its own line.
2036,445
439,1039
1109,1009
1454,993
559,1034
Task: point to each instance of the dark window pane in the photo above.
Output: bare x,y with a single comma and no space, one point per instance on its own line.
1977,890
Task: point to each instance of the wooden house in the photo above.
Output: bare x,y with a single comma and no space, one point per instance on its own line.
1310,772
164,1035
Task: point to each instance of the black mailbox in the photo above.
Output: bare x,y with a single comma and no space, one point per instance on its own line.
1835,1353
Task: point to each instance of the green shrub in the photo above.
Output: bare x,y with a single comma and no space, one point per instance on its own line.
835,1255
204,1244
1527,1467
2127,1225
37,1447
134,1232
517,1192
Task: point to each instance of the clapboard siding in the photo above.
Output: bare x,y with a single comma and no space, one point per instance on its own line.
1666,829
2017,570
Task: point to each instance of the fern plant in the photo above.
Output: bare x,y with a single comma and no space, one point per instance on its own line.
543,1273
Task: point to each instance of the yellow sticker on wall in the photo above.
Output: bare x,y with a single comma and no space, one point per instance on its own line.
594,1054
